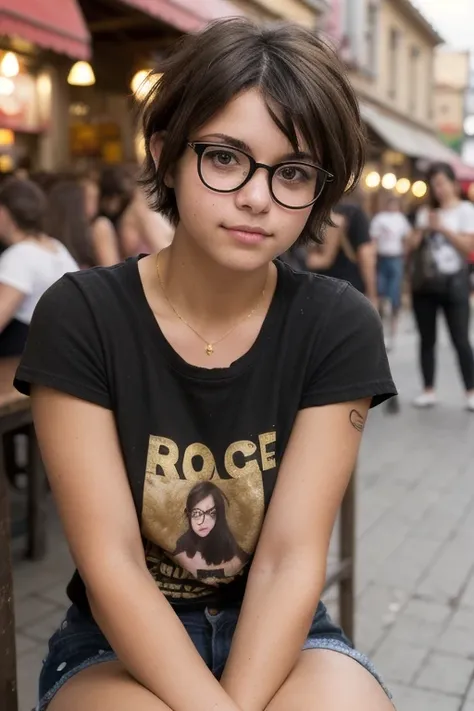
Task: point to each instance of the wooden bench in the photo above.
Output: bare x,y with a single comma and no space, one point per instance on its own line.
15,412
341,571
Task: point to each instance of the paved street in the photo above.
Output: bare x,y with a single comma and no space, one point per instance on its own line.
415,565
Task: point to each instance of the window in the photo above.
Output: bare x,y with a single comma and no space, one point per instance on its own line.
413,79
393,62
371,37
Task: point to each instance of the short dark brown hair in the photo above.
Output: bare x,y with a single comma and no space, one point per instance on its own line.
301,79
26,203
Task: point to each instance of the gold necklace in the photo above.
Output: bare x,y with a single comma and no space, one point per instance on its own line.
209,345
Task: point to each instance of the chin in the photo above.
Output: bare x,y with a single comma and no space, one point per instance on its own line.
241,259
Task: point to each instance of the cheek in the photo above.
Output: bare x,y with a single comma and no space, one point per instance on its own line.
291,223
197,205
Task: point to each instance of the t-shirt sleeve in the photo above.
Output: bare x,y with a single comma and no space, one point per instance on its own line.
358,228
375,227
15,269
407,228
64,350
467,218
349,359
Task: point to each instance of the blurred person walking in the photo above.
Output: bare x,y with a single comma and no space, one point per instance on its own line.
389,229
31,262
441,243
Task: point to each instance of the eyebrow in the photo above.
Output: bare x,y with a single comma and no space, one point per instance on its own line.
242,146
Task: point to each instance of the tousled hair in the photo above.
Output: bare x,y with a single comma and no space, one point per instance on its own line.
26,203
302,81
66,220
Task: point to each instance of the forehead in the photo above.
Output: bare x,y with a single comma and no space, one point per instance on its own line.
247,118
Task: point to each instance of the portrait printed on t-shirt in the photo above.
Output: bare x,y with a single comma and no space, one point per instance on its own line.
202,518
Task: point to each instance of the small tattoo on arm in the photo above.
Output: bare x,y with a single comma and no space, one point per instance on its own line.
356,420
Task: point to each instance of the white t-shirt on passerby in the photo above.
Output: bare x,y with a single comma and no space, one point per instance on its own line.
388,230
31,268
458,219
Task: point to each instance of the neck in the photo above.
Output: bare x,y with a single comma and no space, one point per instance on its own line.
450,202
17,235
206,292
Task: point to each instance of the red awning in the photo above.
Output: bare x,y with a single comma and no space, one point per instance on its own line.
53,24
185,15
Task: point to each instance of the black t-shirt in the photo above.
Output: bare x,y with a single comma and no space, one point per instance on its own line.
358,233
202,446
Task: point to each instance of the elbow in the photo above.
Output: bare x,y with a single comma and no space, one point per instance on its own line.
308,567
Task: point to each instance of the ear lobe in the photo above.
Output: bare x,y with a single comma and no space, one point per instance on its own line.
156,147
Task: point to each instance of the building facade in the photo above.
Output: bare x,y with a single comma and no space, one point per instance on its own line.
307,13
390,50
451,86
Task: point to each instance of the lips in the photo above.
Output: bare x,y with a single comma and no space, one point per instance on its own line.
250,229
247,235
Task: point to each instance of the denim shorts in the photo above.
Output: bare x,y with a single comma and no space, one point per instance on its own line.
79,644
390,279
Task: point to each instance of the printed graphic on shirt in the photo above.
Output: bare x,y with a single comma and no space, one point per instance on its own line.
202,518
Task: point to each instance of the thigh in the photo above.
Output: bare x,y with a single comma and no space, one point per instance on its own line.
105,687
425,308
324,680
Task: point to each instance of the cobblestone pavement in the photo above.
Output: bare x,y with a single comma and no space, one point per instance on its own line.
415,567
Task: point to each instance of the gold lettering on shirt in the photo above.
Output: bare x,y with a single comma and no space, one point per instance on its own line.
267,456
163,454
198,454
246,448
202,514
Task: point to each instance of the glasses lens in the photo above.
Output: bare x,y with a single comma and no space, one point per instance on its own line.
297,184
224,169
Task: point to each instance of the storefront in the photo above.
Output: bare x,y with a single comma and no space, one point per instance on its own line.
103,96
401,157
27,81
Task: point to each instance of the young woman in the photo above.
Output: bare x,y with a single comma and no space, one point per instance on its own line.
441,243
208,548
67,220
212,361
31,262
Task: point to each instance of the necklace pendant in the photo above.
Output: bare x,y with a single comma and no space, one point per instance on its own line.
209,349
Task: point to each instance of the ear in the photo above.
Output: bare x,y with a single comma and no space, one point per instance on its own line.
156,147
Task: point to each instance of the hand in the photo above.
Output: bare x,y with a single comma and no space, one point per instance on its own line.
434,222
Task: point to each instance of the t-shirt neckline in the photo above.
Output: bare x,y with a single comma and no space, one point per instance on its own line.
198,372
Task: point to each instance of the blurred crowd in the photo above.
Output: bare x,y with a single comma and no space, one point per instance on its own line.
51,224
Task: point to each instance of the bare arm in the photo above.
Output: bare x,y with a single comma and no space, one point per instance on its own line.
367,260
141,226
323,256
277,613
10,300
82,455
413,240
104,243
462,241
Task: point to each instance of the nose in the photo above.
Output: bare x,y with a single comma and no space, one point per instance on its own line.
255,196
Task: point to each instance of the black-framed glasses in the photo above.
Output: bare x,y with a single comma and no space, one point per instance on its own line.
199,515
293,184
